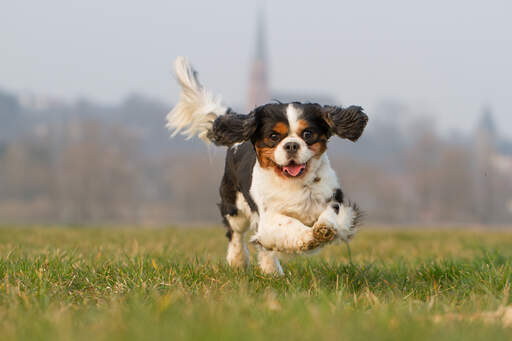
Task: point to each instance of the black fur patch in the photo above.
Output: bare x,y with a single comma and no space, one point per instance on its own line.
232,128
229,232
266,117
338,196
359,215
313,114
336,208
237,178
347,123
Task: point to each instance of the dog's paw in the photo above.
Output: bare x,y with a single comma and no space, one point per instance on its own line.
322,233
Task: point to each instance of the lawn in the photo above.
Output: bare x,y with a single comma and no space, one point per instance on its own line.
143,284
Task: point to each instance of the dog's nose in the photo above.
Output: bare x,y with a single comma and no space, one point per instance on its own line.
291,147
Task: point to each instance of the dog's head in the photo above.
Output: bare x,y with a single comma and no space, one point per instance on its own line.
287,137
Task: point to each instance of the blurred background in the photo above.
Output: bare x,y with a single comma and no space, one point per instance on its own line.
85,87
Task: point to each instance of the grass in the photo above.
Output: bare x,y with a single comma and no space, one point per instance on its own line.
134,284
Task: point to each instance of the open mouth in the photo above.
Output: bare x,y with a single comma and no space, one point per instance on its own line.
293,169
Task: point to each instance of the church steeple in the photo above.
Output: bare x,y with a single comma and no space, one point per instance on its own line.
258,83
260,38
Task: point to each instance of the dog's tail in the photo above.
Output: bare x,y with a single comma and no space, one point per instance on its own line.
197,107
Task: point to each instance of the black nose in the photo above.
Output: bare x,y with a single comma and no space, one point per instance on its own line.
291,147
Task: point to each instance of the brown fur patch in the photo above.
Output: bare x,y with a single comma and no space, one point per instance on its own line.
301,125
264,153
281,128
318,147
265,156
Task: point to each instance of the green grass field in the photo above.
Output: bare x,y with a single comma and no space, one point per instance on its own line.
142,284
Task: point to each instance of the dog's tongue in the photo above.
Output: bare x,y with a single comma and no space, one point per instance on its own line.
293,169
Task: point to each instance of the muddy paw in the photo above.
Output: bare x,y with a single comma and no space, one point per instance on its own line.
322,234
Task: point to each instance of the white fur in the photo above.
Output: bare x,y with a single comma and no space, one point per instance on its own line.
345,223
279,232
238,254
269,263
292,114
197,108
290,207
304,154
300,197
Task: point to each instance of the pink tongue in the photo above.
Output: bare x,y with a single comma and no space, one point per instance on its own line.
294,169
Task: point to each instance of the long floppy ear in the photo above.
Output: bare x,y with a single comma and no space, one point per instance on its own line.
232,128
347,123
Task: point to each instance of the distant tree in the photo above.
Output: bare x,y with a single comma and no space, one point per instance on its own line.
9,115
422,161
456,190
98,177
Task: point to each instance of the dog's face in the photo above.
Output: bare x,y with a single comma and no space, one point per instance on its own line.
287,137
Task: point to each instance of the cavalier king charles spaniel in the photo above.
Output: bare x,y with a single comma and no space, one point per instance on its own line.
277,180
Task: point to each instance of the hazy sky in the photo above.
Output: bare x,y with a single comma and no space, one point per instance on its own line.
447,58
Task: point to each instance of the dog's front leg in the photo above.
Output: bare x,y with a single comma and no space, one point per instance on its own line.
278,232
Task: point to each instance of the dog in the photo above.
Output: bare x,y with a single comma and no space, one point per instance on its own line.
277,179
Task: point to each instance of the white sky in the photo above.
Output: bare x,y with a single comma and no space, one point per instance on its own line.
445,58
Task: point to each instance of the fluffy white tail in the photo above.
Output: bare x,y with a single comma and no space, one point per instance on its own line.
197,108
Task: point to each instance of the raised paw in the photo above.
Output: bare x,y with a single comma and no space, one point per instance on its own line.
322,234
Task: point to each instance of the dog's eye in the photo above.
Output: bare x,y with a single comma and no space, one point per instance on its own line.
274,136
307,134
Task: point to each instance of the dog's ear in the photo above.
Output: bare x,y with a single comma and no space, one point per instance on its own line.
347,123
232,128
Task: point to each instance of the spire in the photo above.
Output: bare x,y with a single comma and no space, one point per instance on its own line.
258,85
260,37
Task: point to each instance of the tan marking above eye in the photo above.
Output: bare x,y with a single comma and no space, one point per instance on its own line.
301,125
281,128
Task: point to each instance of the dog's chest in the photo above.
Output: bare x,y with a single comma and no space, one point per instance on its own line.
303,201
305,204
